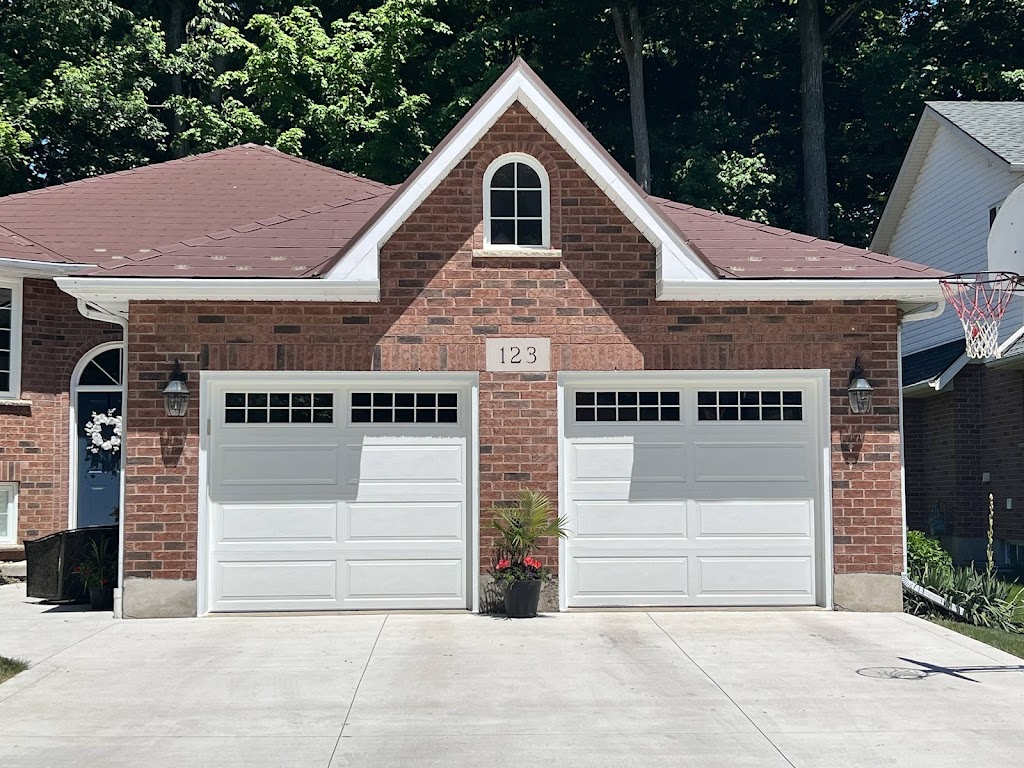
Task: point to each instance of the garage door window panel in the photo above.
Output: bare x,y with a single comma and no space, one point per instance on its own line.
628,406
279,408
405,408
750,405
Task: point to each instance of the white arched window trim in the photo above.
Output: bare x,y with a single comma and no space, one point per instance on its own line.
74,389
545,202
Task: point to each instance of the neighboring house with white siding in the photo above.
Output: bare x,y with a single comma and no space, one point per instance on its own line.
964,421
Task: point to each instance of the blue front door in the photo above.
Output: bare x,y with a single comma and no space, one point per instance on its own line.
99,472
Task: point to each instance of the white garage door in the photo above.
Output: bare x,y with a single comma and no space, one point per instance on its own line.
693,491
326,493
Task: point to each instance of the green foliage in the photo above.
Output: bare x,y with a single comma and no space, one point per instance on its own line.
986,600
522,526
925,553
728,182
74,80
99,567
334,93
370,85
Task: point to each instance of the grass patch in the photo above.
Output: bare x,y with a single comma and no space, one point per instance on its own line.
10,667
1004,641
1015,594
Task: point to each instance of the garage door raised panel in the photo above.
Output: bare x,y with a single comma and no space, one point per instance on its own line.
339,496
693,492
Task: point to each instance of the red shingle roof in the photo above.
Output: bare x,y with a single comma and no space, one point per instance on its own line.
747,250
251,211
131,214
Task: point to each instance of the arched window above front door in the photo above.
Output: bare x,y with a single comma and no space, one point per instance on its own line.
103,370
517,208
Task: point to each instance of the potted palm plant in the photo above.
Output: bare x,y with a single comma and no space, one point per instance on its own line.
521,527
97,574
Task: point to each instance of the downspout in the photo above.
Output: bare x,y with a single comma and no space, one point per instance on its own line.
908,584
103,316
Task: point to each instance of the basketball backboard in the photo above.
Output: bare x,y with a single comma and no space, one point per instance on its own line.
1006,236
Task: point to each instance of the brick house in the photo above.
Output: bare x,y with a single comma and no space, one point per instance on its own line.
373,368
963,419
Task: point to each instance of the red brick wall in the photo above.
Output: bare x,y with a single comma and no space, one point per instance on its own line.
439,304
954,437
35,449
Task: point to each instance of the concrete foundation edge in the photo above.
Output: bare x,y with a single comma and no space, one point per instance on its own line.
158,599
868,592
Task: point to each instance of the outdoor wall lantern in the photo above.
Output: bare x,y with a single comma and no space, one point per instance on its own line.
859,390
176,393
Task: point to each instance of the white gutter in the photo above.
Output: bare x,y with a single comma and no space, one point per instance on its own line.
26,268
116,292
909,290
927,594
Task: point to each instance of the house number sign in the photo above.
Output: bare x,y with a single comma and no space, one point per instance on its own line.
518,354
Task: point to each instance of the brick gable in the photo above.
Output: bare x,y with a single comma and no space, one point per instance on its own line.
439,304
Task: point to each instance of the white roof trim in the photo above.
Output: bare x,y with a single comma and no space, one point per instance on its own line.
909,290
26,268
1014,337
114,293
676,260
913,162
899,196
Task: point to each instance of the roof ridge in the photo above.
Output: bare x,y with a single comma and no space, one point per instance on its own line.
123,172
145,167
309,163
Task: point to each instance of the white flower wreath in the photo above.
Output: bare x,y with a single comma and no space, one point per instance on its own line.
94,430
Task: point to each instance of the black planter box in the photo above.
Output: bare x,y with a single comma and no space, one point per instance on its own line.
49,561
522,598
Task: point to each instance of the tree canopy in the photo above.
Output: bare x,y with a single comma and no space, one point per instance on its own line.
369,86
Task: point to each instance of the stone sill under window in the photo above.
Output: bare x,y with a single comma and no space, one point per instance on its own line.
517,253
15,402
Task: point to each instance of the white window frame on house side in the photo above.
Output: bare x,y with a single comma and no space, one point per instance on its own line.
545,203
13,391
9,537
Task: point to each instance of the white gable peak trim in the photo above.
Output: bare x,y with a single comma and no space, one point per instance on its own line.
677,261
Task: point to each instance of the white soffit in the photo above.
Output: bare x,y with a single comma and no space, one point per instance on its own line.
676,260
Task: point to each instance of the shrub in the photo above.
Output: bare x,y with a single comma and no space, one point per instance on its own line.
986,600
923,554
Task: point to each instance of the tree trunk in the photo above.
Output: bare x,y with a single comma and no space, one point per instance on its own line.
175,37
812,118
631,39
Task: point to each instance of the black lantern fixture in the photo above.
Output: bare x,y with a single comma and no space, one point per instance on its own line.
176,393
860,390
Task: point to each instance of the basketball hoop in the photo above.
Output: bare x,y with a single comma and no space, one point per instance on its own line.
980,299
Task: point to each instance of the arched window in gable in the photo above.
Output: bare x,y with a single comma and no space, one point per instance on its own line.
517,206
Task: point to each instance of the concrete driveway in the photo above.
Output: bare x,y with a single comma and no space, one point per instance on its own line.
792,688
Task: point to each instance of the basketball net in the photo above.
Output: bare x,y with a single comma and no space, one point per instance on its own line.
980,300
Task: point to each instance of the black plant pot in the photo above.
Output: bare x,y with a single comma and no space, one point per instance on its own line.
522,598
101,598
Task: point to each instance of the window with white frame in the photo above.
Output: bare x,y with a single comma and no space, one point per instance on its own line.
8,513
10,339
516,204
